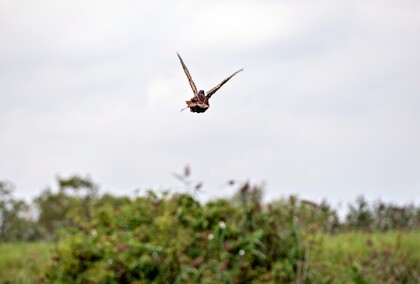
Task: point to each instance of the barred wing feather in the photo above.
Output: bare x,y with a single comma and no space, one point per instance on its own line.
190,80
214,89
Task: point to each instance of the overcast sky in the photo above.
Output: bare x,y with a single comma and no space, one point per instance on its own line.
328,105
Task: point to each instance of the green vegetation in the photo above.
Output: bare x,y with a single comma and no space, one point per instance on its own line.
23,262
360,257
173,238
26,262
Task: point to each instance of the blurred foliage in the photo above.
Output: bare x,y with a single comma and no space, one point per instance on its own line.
381,216
75,196
339,258
364,257
24,262
173,238
15,217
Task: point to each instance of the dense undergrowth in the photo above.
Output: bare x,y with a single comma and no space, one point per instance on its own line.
173,238
339,257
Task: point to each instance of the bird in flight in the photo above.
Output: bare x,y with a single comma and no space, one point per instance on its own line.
200,101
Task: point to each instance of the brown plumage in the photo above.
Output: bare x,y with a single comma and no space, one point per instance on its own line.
200,101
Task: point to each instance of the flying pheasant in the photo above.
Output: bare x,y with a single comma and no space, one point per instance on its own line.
200,101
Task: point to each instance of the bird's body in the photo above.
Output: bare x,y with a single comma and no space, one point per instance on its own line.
201,96
200,102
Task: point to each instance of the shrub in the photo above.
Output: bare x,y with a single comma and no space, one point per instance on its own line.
175,239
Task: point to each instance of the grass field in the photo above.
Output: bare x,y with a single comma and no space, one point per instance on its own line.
357,245
369,257
25,262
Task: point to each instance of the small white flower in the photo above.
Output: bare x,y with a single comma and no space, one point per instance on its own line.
94,233
241,252
155,254
109,260
210,237
222,224
159,248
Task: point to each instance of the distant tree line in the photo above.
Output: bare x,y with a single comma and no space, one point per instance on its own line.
77,197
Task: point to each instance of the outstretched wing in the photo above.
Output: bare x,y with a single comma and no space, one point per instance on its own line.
214,89
190,80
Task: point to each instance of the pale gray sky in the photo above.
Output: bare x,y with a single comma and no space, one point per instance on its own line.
328,105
